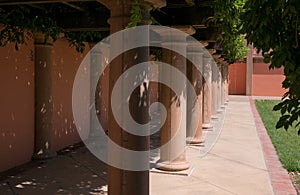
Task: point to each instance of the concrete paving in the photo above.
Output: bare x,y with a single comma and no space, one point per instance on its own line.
234,165
73,172
230,162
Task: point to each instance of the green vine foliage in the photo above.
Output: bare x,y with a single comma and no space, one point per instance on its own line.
77,39
20,24
227,14
140,10
273,28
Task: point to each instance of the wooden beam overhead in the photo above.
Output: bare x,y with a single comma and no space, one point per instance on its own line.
99,29
74,6
190,2
205,3
28,2
37,7
158,3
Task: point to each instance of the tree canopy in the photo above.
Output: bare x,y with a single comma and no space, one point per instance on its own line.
19,23
227,13
272,26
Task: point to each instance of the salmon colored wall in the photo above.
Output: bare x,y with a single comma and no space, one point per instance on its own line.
267,82
237,79
17,105
17,101
66,62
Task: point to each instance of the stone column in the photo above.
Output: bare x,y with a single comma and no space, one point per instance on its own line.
43,98
226,83
194,128
172,157
207,92
97,57
125,182
222,87
219,88
249,71
214,88
95,61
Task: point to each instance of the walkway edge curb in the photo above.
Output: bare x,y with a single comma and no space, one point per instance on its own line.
280,179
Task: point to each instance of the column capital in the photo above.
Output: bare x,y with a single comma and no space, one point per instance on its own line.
188,29
175,36
221,61
112,4
158,3
194,46
212,51
204,43
216,57
39,39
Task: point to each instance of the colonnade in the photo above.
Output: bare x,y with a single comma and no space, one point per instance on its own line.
210,83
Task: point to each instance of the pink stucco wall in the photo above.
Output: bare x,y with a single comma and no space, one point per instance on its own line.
65,64
267,82
17,101
17,105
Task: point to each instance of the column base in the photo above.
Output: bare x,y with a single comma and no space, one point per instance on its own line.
224,106
187,172
220,110
207,126
173,166
44,156
195,141
214,117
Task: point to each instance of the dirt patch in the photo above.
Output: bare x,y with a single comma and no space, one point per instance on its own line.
296,180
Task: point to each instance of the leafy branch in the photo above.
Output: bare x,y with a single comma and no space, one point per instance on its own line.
77,39
273,28
140,10
227,14
20,24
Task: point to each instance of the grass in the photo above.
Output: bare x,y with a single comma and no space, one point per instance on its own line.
287,143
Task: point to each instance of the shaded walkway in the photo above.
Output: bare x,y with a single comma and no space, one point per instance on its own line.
235,164
74,171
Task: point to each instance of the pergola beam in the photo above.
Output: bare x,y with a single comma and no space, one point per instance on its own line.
95,29
205,3
28,2
190,2
73,6
156,3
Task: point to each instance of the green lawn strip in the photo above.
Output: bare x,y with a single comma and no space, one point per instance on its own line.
287,143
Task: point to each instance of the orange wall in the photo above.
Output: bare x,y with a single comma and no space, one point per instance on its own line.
267,82
17,101
237,79
17,105
65,64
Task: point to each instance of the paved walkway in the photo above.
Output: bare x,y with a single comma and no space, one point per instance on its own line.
234,164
